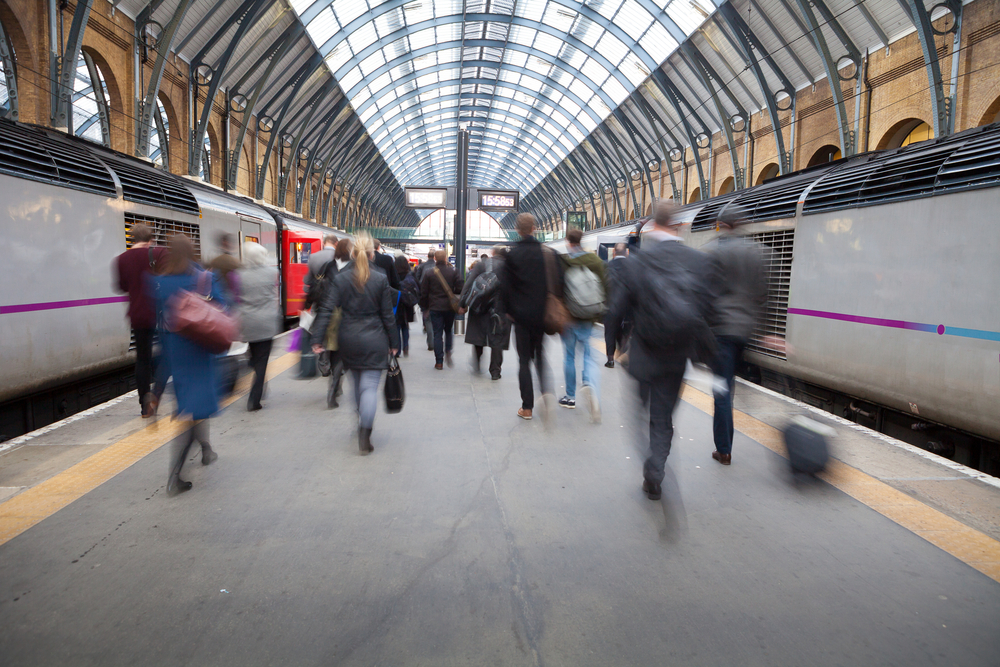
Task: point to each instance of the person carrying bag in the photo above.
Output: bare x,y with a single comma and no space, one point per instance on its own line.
437,295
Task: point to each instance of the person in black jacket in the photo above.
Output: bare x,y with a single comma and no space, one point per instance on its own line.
663,266
387,264
437,287
523,292
418,275
409,295
615,334
367,333
490,328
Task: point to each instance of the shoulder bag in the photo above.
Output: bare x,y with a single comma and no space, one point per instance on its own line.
395,391
452,299
556,316
196,317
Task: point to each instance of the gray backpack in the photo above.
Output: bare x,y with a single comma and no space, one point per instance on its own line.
584,293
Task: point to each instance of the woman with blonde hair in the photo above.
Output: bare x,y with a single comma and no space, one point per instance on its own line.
259,313
367,333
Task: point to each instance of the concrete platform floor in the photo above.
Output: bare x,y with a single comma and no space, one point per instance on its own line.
471,537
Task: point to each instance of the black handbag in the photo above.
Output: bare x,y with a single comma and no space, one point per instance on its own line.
395,391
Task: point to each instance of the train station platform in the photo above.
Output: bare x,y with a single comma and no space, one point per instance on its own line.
472,537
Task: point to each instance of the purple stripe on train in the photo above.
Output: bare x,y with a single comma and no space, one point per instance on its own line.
940,329
55,305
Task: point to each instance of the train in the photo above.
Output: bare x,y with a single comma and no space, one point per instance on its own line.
884,278
68,207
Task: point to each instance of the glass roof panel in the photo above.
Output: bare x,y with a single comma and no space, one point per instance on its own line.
553,65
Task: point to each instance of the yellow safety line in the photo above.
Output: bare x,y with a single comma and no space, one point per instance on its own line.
969,545
46,498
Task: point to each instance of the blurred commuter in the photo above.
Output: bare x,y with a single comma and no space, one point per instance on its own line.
192,366
132,269
667,286
487,325
409,296
367,332
342,254
438,290
387,263
524,290
418,275
615,334
739,290
259,313
584,293
225,264
323,266
320,264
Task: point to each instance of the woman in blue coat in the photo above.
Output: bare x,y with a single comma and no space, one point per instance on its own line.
192,366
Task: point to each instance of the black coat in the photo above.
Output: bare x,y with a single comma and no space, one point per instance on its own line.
484,329
388,265
641,274
367,326
523,282
433,296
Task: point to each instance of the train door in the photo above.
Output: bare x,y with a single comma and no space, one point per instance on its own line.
249,231
297,248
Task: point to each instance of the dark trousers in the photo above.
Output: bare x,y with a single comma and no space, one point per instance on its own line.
614,336
496,359
143,361
444,333
529,348
428,329
659,398
404,334
728,352
183,444
260,352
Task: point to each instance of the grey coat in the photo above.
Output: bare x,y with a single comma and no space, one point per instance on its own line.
258,306
484,329
367,325
738,284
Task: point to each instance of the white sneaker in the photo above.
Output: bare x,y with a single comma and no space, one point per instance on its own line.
593,404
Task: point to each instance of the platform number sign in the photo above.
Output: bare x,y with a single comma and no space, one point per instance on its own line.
576,219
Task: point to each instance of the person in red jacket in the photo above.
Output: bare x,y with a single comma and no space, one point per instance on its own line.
131,269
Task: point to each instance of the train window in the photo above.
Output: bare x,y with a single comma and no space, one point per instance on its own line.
298,253
251,239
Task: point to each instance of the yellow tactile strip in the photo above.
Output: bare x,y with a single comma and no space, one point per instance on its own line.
970,546
45,499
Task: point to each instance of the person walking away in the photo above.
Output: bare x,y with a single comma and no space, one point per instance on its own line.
739,290
319,264
387,263
193,367
523,290
259,313
612,274
225,264
132,269
584,292
487,325
408,298
666,284
322,267
437,295
367,334
419,272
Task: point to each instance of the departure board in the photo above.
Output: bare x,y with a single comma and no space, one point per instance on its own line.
498,200
426,197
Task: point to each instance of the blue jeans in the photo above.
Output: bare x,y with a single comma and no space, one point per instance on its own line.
579,332
444,333
366,395
729,350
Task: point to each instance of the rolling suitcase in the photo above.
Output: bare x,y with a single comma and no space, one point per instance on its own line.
806,442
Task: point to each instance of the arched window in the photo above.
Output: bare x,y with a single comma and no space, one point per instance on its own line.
8,78
205,173
921,132
828,153
159,137
90,102
728,186
904,133
695,196
767,173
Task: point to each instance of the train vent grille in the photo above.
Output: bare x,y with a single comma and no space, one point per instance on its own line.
769,337
776,201
705,218
150,186
163,230
32,154
975,165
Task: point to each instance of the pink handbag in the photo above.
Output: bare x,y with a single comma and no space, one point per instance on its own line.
194,316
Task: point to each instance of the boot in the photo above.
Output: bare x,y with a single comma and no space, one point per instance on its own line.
365,441
208,455
177,485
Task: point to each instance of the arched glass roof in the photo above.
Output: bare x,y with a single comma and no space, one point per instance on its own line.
530,79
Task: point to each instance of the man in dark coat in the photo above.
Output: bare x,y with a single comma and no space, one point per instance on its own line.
132,268
387,264
663,264
437,287
490,328
426,314
615,333
523,294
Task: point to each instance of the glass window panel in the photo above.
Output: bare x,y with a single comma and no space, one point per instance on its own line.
594,71
422,38
634,69
538,65
338,57
515,58
348,10
510,76
547,43
390,22
633,19
571,108
587,121
599,107
362,37
609,8
658,43
581,89
427,80
351,79
395,124
381,82
323,27
367,113
521,35
684,15
531,83
372,63
575,133
531,9
448,74
587,31
450,32
559,119
572,56
559,17
612,48
615,91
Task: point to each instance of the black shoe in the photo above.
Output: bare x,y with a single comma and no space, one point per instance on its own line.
254,408
610,364
365,441
208,455
176,485
494,377
653,490
568,402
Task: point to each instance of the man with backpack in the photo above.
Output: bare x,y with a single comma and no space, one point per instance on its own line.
487,324
667,286
584,294
322,269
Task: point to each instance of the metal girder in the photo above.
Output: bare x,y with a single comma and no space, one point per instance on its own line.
245,16
781,38
592,185
632,132
333,176
161,132
733,74
942,105
626,171
413,150
280,45
582,152
210,14
703,70
266,37
675,99
10,75
144,114
313,152
102,102
847,138
63,68
872,23
692,108
293,151
748,43
651,115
